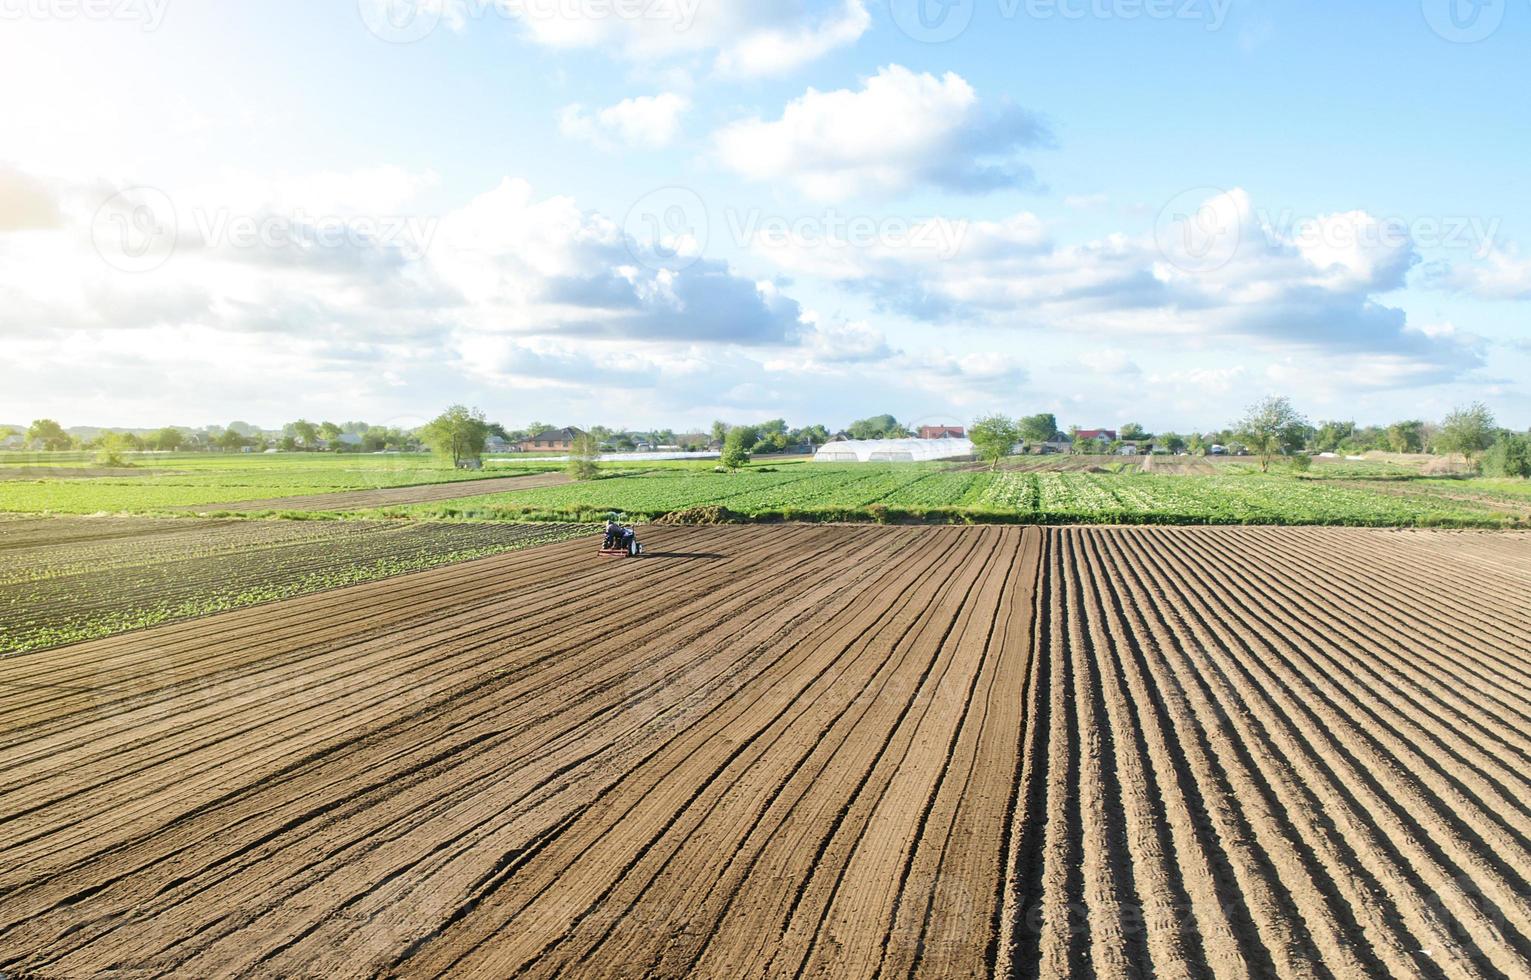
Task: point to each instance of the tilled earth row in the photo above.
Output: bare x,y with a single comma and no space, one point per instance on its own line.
793,751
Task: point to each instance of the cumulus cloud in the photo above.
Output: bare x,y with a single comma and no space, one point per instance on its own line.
742,37
1316,291
899,130
1501,274
509,286
646,122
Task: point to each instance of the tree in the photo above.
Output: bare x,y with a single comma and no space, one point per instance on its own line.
1406,437
112,448
1510,456
1468,431
814,435
304,432
1331,434
538,428
1273,427
1196,445
1039,428
878,427
1133,432
375,439
329,432
1173,441
994,437
719,431
584,457
736,447
50,434
458,433
166,440
229,440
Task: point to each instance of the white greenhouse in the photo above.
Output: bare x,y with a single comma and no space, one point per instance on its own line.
893,450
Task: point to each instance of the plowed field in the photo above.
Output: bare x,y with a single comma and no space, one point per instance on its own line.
801,751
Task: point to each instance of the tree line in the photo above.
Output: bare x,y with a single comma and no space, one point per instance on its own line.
1273,427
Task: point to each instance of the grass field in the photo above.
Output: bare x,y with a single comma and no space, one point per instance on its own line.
801,751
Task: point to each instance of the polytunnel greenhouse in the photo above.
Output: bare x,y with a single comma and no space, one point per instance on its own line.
893,450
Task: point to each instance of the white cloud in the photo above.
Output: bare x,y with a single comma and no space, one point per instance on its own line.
899,130
1314,294
1502,274
743,37
646,121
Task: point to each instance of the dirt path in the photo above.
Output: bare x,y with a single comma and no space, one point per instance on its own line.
801,751
387,496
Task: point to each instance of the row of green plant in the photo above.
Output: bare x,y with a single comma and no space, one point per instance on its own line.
97,589
190,480
933,493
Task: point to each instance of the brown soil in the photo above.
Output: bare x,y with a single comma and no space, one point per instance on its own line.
805,751
387,496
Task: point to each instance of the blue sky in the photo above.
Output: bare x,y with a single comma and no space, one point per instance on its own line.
658,212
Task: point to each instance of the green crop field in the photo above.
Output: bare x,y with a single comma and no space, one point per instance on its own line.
67,579
162,482
935,492
1053,490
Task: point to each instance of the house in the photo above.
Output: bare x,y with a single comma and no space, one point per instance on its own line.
14,441
1086,435
349,440
1129,449
1059,443
943,432
496,444
552,441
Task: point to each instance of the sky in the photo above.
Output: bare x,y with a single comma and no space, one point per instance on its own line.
655,213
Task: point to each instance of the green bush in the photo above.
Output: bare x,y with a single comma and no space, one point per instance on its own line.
1510,456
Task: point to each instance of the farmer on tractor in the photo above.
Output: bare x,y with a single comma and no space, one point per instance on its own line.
620,541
